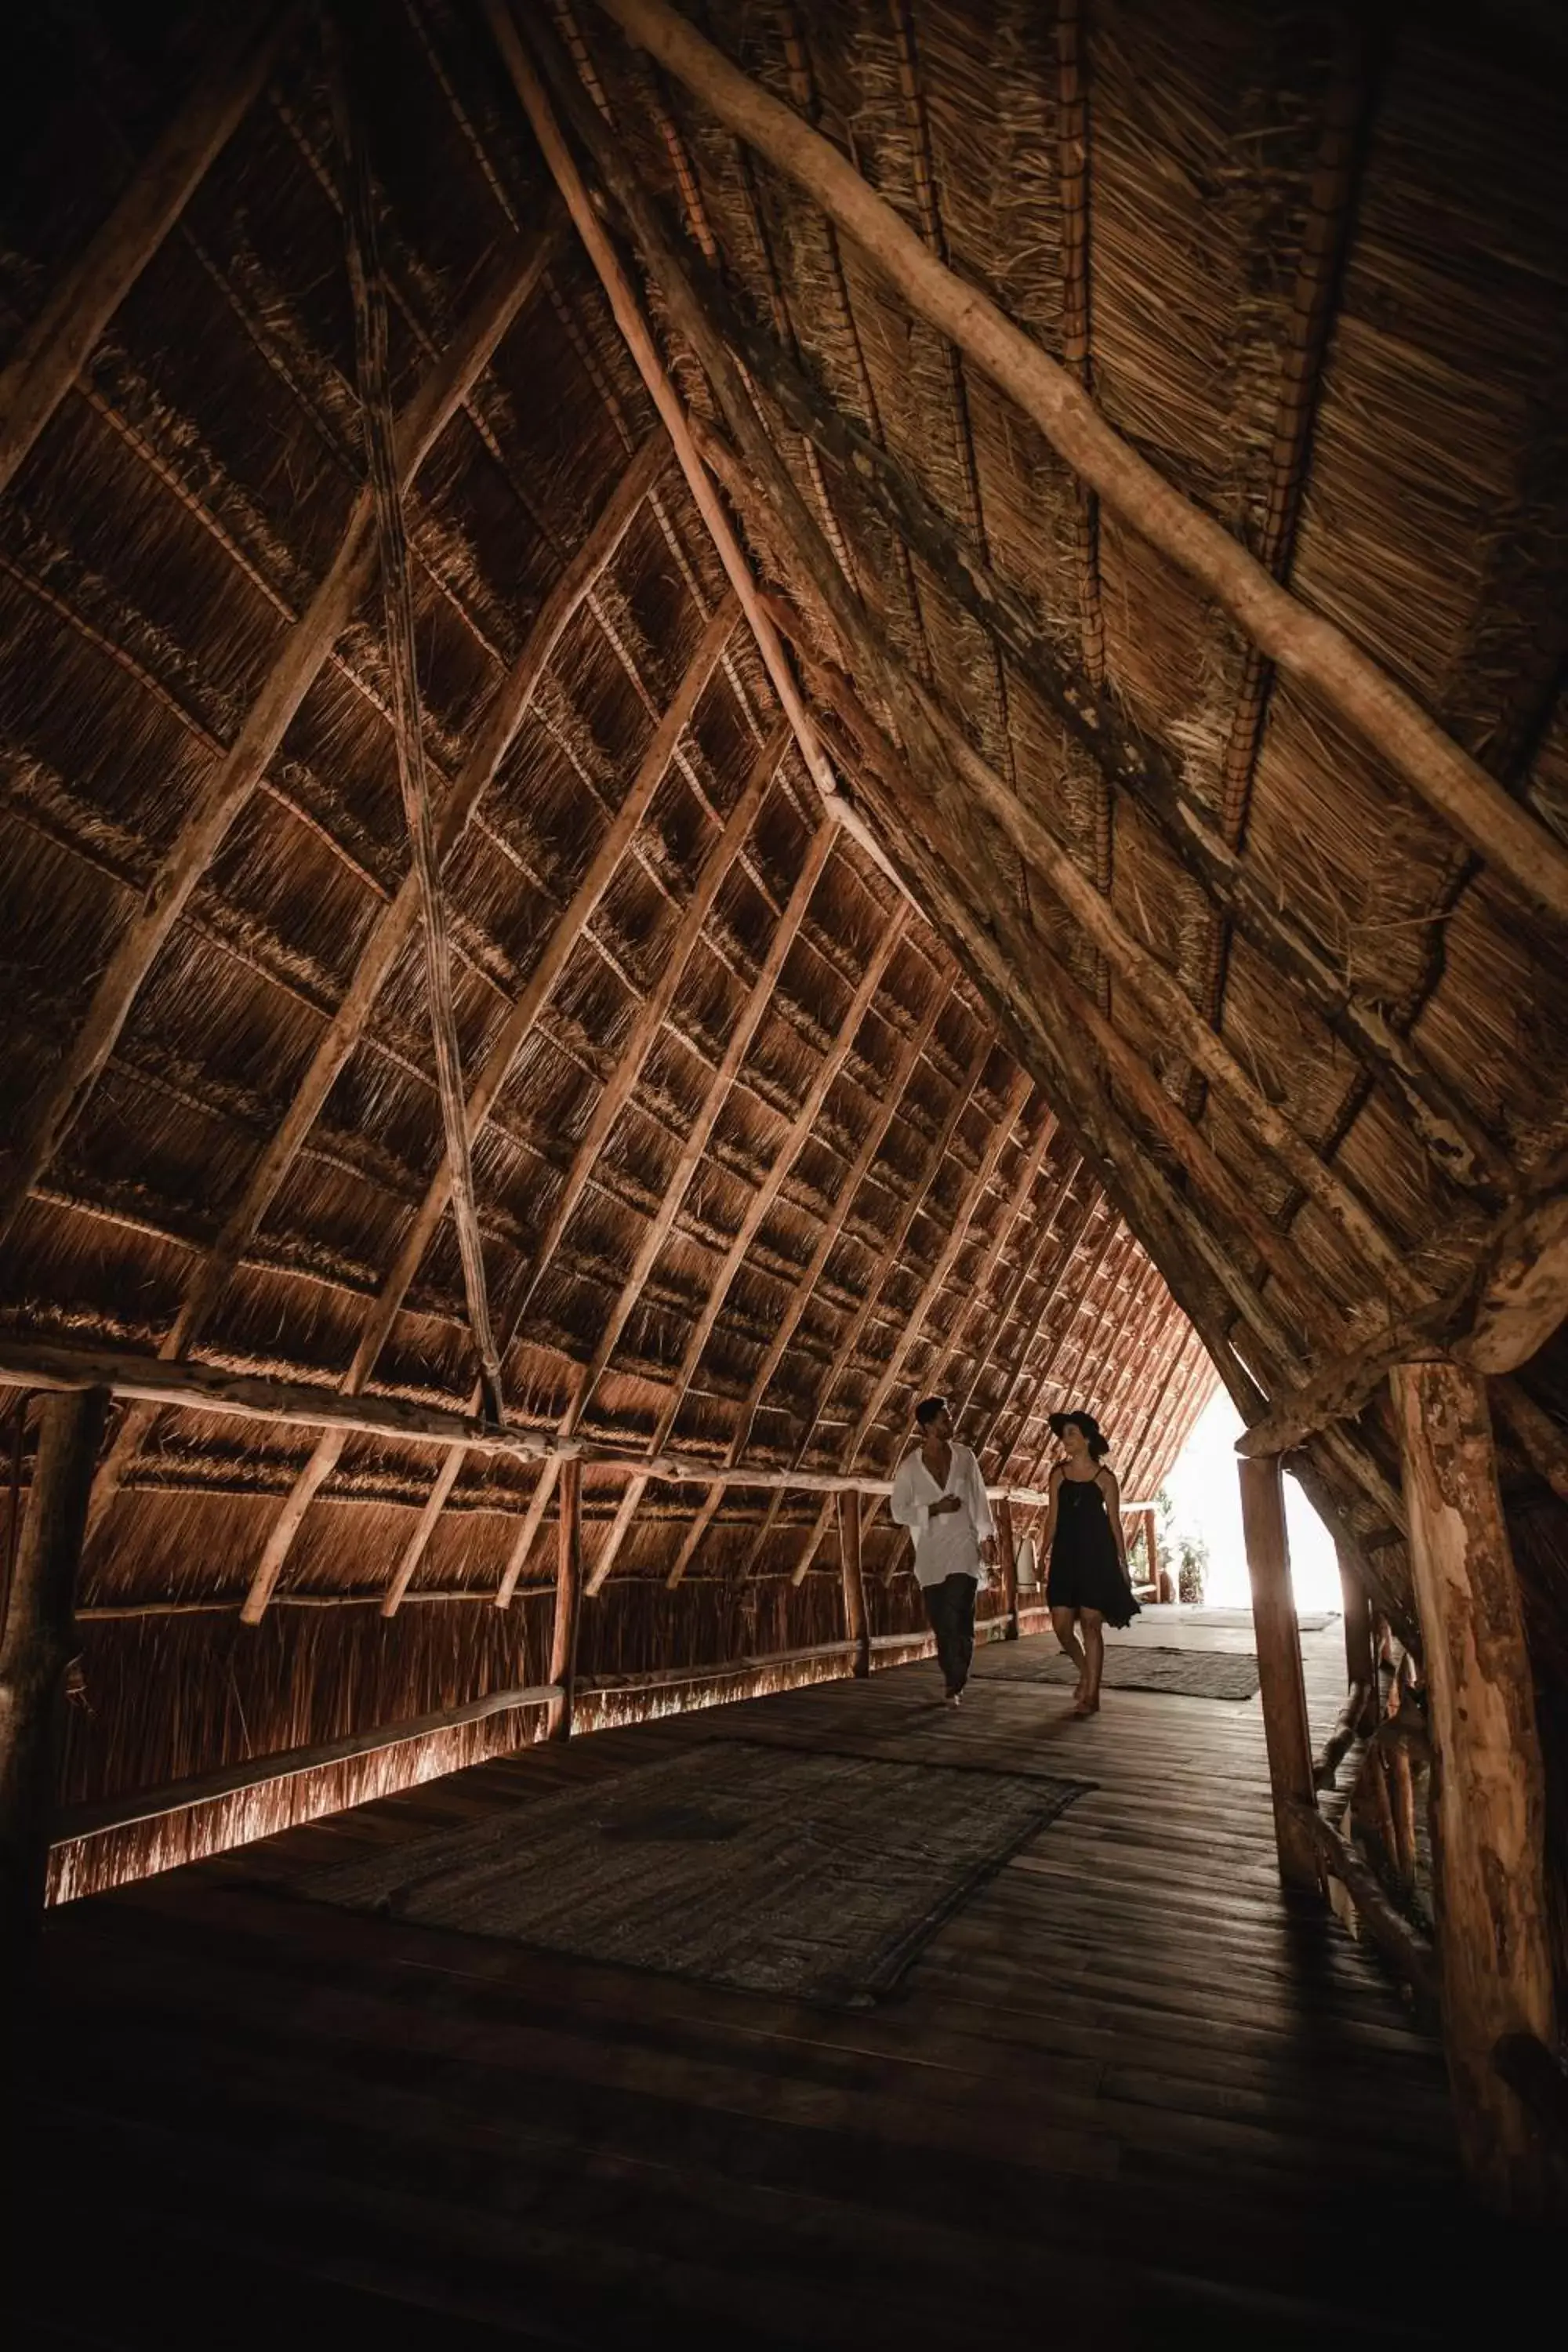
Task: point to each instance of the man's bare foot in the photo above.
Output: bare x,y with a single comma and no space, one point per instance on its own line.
952,1699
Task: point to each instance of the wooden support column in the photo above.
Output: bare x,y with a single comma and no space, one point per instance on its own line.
38,1644
1488,1789
1285,1731
1151,1553
568,1599
857,1625
1007,1555
1360,1666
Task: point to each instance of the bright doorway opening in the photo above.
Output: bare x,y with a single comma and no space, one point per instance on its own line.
1206,1507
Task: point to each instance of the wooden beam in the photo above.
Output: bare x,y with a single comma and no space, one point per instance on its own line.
801,1291
856,1624
57,345
500,1054
703,1520
744,1030
367,287
1544,1444
887,1256
766,1192
568,1599
76,1070
527,1534
931,1289
1278,1641
1001,1316
618,1088
619,1528
1305,646
644,350
1489,1786
36,1648
674,960
1029,1165
1055,1349
1134,763
1512,1300
236,1396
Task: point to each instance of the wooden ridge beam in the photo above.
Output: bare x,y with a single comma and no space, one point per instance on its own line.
54,348
305,649
767,1191
931,1289
1512,1300
1306,647
367,287
660,1225
494,1070
1134,764
643,351
892,1095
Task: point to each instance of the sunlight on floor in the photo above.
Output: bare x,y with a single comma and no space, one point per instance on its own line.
1206,1499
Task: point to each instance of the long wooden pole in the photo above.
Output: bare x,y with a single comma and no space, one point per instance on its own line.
1285,1730
37,1646
54,348
1488,1784
1305,646
1007,1554
371,347
568,1599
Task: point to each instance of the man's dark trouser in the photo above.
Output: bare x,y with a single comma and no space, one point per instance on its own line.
951,1607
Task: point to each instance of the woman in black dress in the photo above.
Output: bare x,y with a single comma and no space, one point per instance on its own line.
1090,1585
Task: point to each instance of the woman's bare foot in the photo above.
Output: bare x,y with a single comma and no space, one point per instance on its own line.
1085,1706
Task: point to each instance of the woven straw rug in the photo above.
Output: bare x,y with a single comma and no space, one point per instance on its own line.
811,1876
1138,1666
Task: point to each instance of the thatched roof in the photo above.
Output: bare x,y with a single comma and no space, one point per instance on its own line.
1311,267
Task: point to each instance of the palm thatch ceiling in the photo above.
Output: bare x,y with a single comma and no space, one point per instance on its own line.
903,931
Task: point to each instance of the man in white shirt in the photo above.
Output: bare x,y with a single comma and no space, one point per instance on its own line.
940,1496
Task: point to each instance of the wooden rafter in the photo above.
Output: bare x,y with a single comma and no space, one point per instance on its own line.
661,1224
494,1070
54,348
767,1191
368,288
1020,1375
1028,1269
803,1289
1072,172
237,774
1303,644
639,343
893,1247
1132,762
1015,1209
1066,1360
931,1289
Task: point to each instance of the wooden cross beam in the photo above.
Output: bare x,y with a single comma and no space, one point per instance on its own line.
54,348
1512,1300
767,1191
368,288
308,646
893,1247
931,1289
661,1224
892,1091
494,1070
1309,649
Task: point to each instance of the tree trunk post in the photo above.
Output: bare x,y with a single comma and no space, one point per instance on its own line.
1152,1551
1361,1663
37,1646
1007,1554
1489,1783
568,1598
1285,1731
857,1625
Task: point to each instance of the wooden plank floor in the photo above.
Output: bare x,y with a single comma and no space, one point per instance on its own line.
1128,2095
